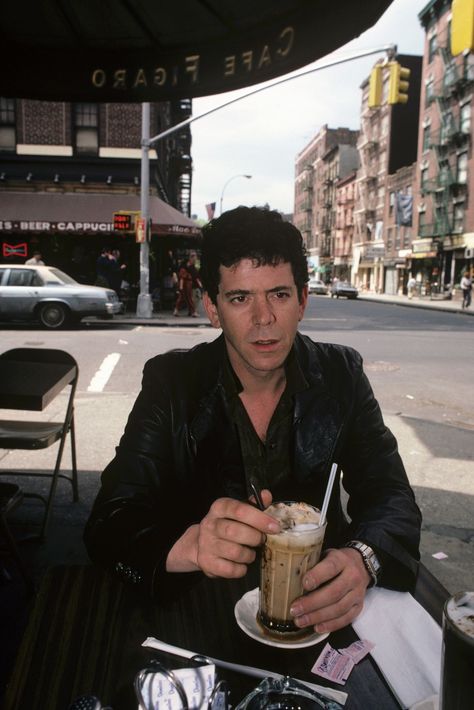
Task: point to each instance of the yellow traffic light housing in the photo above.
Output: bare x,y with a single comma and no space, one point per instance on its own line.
398,83
375,87
462,26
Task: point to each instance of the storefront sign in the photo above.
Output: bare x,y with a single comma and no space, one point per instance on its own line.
40,226
9,250
140,230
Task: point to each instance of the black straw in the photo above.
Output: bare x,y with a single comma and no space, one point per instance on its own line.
257,495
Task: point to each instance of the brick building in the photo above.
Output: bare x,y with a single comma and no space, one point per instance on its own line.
344,237
331,155
387,143
444,208
65,168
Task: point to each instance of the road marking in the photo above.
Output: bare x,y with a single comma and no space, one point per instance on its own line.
104,372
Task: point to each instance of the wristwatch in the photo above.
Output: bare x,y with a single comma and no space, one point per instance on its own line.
369,558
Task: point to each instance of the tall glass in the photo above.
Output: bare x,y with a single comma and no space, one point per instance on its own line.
457,674
286,557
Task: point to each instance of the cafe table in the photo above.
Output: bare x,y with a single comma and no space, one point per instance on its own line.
86,629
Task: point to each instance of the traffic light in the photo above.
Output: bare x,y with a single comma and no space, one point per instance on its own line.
375,87
123,222
462,26
397,83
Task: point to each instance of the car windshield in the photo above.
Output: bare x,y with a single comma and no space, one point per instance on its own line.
58,277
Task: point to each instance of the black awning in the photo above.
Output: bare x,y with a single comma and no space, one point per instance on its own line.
153,50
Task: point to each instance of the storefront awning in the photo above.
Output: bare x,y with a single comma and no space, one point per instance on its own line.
82,213
157,50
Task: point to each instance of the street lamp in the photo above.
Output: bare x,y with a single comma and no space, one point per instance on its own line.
225,185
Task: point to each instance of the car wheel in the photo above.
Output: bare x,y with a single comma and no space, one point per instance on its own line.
53,315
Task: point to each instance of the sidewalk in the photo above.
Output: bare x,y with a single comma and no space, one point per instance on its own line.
166,318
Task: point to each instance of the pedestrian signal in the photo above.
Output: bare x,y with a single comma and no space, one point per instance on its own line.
462,26
398,83
375,87
123,222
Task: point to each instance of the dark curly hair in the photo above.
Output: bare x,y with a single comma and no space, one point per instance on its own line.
255,233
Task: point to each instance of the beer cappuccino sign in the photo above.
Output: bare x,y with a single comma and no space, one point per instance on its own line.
42,226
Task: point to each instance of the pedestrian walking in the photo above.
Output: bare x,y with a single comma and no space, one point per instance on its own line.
411,287
466,287
187,277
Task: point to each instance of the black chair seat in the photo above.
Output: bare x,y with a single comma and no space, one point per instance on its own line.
31,378
29,435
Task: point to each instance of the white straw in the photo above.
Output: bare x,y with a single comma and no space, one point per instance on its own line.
327,495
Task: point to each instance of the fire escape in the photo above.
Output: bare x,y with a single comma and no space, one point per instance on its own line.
306,206
447,145
365,212
327,223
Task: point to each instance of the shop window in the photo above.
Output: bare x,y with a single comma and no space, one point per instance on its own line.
86,128
462,168
7,125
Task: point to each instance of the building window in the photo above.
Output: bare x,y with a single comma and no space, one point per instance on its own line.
429,95
426,137
462,168
465,119
432,47
458,218
7,125
424,178
86,128
391,202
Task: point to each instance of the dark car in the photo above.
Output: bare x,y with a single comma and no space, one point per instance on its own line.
49,295
343,288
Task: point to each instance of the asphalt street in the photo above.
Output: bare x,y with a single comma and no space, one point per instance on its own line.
420,364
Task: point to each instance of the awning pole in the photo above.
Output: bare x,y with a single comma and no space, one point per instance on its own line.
144,303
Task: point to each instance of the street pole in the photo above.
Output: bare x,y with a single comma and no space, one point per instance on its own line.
144,305
225,185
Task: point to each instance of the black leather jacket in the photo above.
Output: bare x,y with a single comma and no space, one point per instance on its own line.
180,451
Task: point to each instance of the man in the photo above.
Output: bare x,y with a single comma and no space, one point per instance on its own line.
466,288
188,280
261,403
35,260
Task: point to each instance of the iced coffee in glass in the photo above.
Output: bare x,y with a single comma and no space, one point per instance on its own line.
286,557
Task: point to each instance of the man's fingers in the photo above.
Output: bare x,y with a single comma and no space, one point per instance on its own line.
230,509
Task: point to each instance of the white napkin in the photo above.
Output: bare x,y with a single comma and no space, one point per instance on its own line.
407,643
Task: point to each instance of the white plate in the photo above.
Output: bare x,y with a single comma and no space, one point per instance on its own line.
246,616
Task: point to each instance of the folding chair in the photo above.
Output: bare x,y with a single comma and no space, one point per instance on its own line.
31,378
11,496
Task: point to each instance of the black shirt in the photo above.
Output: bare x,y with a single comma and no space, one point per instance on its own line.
266,463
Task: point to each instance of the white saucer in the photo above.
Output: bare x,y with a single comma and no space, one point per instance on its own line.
246,616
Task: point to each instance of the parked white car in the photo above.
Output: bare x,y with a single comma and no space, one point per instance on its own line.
317,286
49,295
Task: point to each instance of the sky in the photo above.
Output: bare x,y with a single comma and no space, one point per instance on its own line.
261,135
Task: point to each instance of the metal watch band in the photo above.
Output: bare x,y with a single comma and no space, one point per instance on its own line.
369,558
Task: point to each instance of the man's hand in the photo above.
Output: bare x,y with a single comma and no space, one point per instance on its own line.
336,588
224,542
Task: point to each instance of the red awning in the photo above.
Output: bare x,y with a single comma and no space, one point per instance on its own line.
84,213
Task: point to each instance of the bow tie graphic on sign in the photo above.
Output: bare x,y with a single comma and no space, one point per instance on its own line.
14,249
